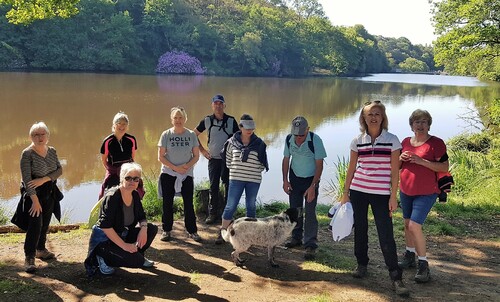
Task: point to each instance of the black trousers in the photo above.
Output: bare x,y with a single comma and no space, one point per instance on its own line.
380,209
168,191
36,234
115,256
217,171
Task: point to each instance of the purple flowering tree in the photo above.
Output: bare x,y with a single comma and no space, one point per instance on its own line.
179,62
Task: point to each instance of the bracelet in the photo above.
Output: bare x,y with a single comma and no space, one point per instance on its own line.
144,224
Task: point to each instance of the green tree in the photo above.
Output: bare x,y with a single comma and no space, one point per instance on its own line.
28,11
413,65
469,37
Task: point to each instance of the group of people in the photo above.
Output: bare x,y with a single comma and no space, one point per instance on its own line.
379,165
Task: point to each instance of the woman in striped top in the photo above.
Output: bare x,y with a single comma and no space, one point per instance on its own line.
40,169
246,158
372,179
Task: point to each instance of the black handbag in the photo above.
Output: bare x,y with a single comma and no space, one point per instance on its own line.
21,216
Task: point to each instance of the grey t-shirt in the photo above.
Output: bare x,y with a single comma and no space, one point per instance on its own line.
220,131
179,148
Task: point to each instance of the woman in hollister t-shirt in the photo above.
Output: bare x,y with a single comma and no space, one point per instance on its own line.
178,152
372,179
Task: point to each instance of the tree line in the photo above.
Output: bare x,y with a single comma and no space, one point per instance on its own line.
229,37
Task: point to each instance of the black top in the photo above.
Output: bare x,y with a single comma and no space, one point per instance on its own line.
112,216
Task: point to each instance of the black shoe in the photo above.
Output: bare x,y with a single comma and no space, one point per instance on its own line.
423,273
408,260
219,239
360,271
310,253
400,288
293,243
211,219
165,236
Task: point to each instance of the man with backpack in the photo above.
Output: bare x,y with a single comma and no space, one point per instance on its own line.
302,167
220,127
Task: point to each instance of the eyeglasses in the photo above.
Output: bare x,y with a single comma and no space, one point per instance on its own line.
134,179
39,134
296,135
370,102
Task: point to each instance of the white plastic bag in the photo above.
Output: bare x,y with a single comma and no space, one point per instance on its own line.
336,205
342,222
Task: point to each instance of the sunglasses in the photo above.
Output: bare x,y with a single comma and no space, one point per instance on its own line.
134,179
372,102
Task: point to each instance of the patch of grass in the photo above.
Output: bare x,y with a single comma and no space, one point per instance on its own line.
323,297
9,286
195,278
4,216
12,238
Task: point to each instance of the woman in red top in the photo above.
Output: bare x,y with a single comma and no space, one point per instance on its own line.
423,155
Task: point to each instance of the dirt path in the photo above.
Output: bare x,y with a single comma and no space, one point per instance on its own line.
462,270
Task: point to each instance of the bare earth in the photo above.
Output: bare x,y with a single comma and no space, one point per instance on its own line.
463,269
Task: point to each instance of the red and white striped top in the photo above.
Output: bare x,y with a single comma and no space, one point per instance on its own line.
373,174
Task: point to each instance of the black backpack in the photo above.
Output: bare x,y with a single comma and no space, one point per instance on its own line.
310,143
222,127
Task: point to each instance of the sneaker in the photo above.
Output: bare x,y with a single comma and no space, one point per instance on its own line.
423,273
211,219
408,260
29,265
165,236
310,253
195,237
148,263
360,271
293,243
44,254
400,288
219,239
103,267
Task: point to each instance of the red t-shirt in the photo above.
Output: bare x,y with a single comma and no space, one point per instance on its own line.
416,179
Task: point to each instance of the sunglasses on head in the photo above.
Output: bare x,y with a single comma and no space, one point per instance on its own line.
372,102
134,179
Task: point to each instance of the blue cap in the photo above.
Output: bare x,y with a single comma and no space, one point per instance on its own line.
218,98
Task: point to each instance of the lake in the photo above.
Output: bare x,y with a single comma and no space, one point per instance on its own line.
79,107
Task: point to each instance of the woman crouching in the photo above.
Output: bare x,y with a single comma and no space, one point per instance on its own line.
122,234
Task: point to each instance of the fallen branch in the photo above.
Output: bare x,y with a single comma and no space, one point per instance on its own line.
52,229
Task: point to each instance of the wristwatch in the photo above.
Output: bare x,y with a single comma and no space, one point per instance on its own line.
144,224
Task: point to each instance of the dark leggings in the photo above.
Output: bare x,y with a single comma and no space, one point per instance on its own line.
168,191
115,256
36,234
380,209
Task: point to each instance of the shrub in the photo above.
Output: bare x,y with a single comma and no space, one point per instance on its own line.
179,62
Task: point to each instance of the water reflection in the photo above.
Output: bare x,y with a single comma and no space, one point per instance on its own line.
78,108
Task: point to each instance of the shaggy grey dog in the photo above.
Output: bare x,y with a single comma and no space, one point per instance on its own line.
269,231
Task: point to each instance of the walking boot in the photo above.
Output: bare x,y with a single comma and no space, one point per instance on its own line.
400,288
423,273
408,260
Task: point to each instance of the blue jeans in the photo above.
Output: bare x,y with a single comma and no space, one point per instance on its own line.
234,193
416,208
308,224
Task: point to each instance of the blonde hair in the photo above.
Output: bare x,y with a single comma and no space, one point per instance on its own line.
38,126
368,105
180,109
127,168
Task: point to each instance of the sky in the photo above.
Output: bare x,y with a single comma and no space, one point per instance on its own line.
389,18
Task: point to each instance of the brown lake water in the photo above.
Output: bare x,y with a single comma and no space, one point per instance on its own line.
78,109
